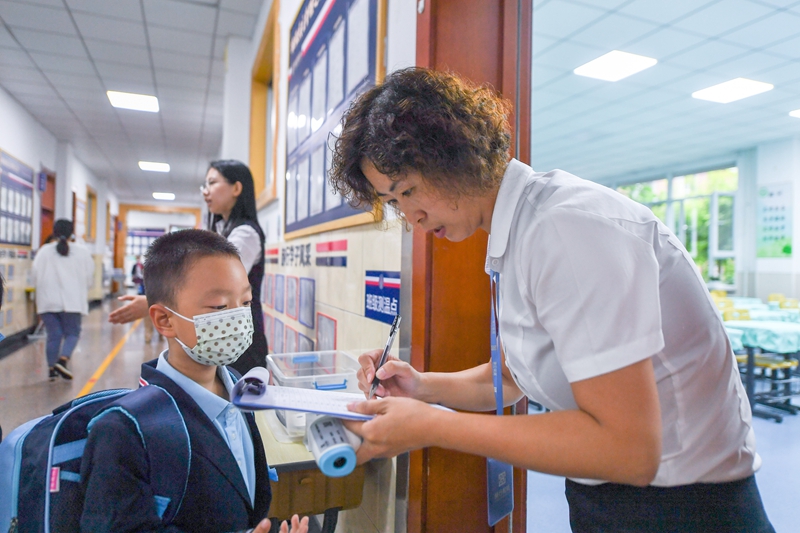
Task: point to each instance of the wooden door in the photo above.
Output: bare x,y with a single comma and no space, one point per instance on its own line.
48,206
486,42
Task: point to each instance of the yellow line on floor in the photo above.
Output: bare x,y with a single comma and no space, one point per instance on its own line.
107,361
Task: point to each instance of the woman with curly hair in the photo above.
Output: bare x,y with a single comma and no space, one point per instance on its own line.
602,318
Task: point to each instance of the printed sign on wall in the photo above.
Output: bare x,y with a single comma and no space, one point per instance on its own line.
382,298
774,220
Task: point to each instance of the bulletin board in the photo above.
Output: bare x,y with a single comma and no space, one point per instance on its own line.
335,53
774,220
16,201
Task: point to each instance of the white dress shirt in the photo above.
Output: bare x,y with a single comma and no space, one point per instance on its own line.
591,282
62,282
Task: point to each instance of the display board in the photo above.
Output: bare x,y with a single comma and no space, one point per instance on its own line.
774,220
16,201
333,56
139,239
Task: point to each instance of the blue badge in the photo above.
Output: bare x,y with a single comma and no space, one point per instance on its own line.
499,489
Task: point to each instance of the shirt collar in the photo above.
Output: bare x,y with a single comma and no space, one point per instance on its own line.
211,404
514,181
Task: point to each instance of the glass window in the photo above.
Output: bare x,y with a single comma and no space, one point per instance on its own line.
646,192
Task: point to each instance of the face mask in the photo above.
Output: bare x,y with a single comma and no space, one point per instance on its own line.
222,336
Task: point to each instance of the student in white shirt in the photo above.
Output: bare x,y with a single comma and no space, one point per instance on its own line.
62,274
603,319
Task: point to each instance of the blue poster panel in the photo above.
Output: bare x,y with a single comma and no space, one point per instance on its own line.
277,336
307,290
382,295
279,290
332,58
16,201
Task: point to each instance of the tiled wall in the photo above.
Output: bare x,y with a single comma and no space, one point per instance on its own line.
340,290
340,294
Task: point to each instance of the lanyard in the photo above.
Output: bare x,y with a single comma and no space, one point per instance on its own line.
497,374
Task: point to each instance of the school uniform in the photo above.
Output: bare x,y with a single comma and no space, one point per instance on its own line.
592,282
228,487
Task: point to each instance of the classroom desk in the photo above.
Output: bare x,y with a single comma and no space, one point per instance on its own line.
775,315
735,337
768,336
302,489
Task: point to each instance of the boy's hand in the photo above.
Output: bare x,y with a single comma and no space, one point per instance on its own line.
298,526
130,312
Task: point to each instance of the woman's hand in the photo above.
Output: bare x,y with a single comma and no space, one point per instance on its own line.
298,526
400,425
130,312
398,378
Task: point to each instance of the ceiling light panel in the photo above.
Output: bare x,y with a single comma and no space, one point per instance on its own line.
137,102
732,90
152,166
615,65
164,196
795,113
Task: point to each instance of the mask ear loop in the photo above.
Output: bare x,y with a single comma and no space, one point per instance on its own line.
180,315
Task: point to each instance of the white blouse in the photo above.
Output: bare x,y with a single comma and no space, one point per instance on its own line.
591,282
62,282
246,240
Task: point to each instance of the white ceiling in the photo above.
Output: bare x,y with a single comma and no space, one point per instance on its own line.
604,131
58,57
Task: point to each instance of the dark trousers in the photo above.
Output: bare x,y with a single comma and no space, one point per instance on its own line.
733,507
63,332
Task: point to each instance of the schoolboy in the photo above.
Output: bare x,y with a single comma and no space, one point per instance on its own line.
191,276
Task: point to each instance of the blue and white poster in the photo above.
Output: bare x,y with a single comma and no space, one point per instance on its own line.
382,296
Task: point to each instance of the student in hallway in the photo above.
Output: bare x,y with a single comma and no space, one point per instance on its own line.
602,318
229,193
194,279
62,273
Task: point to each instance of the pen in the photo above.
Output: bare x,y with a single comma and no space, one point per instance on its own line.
384,355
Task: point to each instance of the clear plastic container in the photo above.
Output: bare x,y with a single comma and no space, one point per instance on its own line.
333,370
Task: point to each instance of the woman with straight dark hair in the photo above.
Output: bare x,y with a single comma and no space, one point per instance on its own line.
229,193
62,275
230,196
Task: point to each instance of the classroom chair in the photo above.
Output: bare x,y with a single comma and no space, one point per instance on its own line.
719,293
723,303
731,313
776,297
789,303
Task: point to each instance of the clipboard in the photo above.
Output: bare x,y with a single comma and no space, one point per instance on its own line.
254,393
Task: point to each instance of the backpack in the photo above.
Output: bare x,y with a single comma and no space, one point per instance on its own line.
40,461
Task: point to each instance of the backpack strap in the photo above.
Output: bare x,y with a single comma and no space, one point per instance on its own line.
165,438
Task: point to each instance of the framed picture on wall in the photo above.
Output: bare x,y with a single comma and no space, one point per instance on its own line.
326,332
304,344
269,285
290,340
292,290
268,328
307,296
336,51
280,287
277,336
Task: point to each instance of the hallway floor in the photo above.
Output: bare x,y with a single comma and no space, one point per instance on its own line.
26,392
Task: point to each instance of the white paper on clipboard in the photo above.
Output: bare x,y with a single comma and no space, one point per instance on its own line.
253,393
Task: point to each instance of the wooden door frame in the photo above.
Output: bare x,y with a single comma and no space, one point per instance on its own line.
121,231
446,35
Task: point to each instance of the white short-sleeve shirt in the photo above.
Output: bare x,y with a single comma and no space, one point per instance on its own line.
591,282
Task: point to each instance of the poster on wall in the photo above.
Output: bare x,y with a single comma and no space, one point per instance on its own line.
333,56
291,296
277,336
307,290
278,294
774,220
326,332
16,201
382,295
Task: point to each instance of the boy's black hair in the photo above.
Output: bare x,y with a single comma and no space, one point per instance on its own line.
169,257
